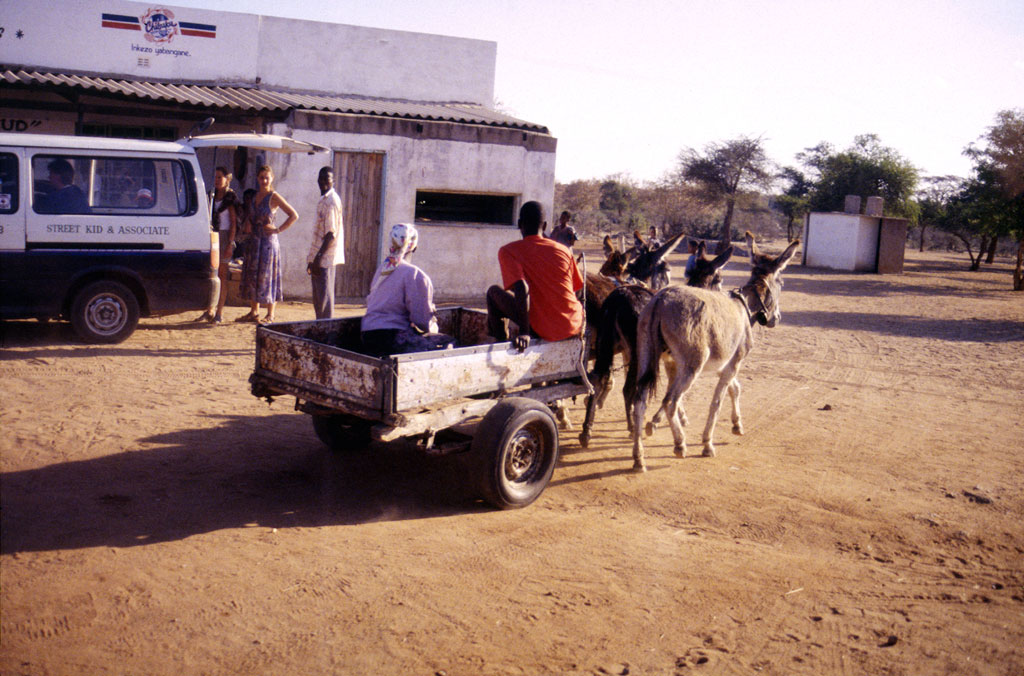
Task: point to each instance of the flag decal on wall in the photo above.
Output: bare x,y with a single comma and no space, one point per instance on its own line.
119,21
197,30
160,24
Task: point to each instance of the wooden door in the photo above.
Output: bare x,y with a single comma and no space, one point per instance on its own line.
358,180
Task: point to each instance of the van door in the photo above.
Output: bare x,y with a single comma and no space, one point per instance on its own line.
131,216
12,230
12,215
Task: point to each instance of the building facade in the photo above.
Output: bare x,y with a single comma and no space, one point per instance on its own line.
408,118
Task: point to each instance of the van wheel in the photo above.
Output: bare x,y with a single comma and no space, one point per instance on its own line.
105,312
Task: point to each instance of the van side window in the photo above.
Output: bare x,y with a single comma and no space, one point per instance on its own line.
116,186
8,183
58,185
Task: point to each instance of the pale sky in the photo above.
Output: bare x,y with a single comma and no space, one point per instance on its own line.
624,86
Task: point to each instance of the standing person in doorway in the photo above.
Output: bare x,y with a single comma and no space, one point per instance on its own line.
328,246
265,285
223,220
248,243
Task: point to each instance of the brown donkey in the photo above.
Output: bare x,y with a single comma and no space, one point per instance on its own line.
616,332
702,328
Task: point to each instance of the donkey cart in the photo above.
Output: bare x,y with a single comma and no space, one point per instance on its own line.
485,399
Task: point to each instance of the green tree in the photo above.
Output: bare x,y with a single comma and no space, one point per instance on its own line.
617,198
1004,150
964,216
933,201
794,201
979,212
867,169
724,170
999,168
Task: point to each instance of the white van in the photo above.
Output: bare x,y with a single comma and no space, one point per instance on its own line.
102,231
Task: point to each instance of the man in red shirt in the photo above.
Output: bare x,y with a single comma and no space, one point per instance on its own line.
539,283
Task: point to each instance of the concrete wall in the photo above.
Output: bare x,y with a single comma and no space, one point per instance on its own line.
841,241
375,62
461,260
247,49
307,55
892,244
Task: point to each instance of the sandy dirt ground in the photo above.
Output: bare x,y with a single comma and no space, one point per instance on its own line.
158,519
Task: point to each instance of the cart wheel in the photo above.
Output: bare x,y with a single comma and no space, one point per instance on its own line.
340,435
515,449
105,312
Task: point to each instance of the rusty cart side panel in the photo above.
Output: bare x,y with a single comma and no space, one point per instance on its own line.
307,368
428,378
317,361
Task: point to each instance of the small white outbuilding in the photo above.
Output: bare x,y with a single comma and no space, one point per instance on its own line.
856,242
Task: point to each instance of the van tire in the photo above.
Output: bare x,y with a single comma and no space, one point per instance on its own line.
105,312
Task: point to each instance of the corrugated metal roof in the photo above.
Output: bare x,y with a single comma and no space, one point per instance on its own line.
247,99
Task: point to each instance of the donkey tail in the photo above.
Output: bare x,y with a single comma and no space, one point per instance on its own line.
649,346
604,348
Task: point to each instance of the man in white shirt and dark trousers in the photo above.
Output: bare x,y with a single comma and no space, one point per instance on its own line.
328,246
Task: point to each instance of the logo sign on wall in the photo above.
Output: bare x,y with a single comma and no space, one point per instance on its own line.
159,25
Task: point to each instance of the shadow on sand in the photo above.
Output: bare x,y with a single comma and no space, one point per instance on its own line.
270,472
31,333
968,329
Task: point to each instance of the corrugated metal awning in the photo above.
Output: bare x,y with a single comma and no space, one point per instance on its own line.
251,100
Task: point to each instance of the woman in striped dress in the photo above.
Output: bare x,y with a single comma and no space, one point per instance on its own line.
262,284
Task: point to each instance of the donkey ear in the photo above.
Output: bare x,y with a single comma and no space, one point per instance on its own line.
786,256
702,249
751,246
607,244
722,258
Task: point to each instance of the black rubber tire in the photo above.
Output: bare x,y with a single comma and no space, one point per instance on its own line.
515,449
340,435
105,312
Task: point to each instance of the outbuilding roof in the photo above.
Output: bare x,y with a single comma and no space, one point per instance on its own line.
249,99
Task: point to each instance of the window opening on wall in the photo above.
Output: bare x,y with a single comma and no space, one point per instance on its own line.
455,207
145,133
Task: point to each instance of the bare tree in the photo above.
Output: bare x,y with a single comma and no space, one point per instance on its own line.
579,196
675,208
723,170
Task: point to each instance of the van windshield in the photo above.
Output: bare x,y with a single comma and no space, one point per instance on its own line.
85,184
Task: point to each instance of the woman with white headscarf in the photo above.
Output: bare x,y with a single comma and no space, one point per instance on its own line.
400,308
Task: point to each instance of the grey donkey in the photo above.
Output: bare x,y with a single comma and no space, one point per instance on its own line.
616,332
703,328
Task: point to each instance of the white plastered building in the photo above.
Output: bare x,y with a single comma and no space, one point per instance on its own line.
408,118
